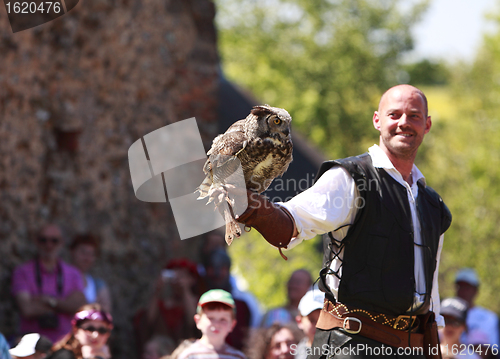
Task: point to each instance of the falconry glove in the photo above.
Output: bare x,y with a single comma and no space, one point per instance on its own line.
272,221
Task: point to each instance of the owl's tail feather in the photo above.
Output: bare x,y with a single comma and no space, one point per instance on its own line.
204,188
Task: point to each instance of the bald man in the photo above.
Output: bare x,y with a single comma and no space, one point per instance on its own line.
48,291
384,232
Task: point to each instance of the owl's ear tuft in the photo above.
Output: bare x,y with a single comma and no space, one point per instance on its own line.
260,111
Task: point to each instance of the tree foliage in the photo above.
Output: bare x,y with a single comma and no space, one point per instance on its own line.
326,61
461,159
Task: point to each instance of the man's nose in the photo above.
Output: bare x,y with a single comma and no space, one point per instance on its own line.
403,120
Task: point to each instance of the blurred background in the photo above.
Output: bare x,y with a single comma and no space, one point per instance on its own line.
76,92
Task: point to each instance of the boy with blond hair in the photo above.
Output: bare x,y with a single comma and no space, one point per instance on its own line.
215,318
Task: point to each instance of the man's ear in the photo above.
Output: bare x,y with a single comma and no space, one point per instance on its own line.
428,124
298,319
376,121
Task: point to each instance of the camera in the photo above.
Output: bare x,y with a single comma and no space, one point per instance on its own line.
168,274
48,321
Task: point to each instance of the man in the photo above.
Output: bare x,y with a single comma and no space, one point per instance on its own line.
385,231
479,319
48,291
296,287
309,310
31,346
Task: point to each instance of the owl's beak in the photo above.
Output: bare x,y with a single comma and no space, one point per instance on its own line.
286,132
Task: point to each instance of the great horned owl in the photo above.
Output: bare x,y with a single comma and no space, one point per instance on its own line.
262,143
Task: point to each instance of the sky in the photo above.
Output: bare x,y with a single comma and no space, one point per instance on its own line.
452,29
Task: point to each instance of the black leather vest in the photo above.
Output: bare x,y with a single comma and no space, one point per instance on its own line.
378,259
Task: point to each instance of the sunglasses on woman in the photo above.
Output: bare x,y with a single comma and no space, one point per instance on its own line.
92,329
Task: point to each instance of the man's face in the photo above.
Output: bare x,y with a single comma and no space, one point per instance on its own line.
466,291
215,324
49,242
308,323
298,285
402,121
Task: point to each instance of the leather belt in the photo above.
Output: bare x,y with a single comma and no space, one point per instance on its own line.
353,322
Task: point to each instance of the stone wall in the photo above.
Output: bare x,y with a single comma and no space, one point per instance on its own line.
75,93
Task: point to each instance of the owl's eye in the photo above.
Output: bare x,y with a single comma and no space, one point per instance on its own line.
277,121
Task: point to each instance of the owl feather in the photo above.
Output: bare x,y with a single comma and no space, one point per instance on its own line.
261,144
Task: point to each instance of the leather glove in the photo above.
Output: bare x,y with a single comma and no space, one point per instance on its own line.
273,222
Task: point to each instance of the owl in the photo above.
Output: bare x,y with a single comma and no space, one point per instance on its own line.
262,144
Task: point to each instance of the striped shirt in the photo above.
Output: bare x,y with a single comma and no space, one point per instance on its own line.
199,350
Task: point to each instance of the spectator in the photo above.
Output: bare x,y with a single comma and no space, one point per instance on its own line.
210,242
218,277
84,250
215,318
275,342
298,284
213,241
47,290
478,318
309,308
4,348
173,304
157,347
90,330
32,346
180,348
454,311
480,341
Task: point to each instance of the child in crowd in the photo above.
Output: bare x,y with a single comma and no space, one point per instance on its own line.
309,308
454,311
215,318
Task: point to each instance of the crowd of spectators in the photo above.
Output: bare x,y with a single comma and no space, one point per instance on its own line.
195,306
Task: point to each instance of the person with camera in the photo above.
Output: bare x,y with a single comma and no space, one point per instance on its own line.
47,290
171,308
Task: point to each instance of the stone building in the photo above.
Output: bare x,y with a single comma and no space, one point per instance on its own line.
75,93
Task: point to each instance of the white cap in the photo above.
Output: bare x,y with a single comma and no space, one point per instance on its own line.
467,275
311,301
29,344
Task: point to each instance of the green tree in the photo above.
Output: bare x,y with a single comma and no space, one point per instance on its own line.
326,61
461,158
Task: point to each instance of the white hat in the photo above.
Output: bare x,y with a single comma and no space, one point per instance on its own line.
311,301
467,275
29,344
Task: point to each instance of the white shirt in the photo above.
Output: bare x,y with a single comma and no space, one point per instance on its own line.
330,204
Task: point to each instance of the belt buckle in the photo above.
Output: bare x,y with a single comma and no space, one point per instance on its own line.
410,325
349,330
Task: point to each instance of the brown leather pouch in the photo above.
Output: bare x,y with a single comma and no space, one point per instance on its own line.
432,349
